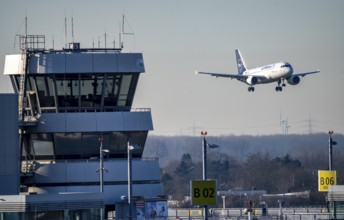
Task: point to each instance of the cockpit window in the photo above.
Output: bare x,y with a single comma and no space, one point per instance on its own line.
285,65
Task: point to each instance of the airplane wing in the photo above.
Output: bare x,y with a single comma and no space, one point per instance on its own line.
226,75
307,73
243,78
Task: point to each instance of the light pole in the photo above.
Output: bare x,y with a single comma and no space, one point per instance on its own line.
223,202
204,163
101,170
223,205
204,155
129,148
130,182
330,156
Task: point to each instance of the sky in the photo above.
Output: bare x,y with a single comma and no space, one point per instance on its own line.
179,37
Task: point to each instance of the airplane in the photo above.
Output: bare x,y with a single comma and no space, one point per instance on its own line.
277,72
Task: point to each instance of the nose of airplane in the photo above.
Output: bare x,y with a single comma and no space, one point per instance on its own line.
290,69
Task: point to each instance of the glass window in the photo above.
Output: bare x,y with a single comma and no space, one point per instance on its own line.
90,144
78,145
118,142
83,92
124,90
67,87
45,87
30,84
42,146
111,90
91,90
67,145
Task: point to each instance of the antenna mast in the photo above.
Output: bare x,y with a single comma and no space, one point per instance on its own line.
126,33
25,26
66,32
105,38
122,35
72,29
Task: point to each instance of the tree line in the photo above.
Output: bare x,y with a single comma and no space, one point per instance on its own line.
277,171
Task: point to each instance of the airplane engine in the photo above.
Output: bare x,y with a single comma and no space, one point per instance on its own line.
293,80
252,80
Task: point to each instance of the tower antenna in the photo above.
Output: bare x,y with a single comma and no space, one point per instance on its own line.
122,43
126,33
72,28
120,37
25,26
66,32
105,38
123,24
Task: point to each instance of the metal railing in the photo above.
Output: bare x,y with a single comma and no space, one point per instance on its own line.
239,214
97,109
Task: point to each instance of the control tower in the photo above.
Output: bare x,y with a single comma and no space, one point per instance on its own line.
75,113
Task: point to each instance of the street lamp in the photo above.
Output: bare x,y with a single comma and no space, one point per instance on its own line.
130,148
101,170
204,163
223,204
204,153
330,144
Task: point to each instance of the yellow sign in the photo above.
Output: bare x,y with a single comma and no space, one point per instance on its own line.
203,192
326,178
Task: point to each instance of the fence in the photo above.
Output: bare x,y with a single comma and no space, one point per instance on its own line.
239,214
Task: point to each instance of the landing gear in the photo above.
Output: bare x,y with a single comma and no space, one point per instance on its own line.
251,89
279,86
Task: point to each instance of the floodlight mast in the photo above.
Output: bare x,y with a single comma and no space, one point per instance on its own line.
331,142
204,155
130,188
204,163
204,166
101,170
130,148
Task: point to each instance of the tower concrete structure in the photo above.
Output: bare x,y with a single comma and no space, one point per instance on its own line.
68,103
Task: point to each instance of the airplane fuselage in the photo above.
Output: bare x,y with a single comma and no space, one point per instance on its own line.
281,73
271,73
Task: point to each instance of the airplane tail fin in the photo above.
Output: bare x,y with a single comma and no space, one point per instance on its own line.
240,62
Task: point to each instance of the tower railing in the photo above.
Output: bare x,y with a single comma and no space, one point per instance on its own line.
32,42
